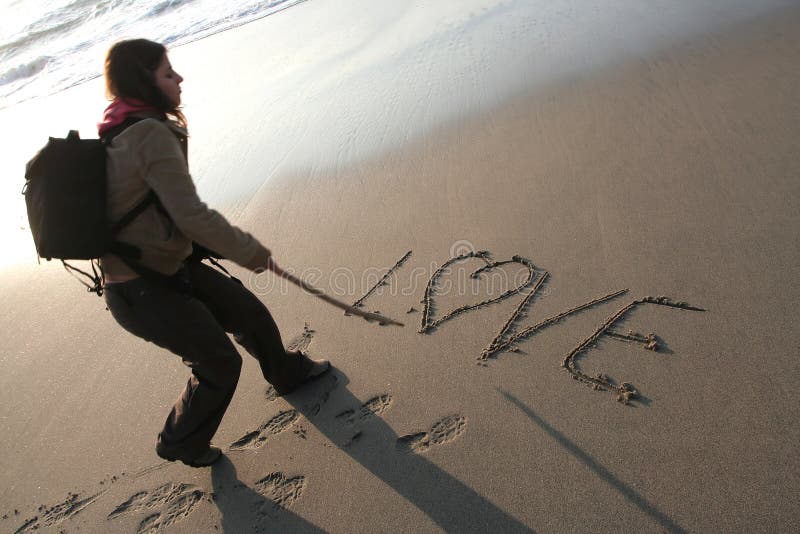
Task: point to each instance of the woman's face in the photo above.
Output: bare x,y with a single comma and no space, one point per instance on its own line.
169,81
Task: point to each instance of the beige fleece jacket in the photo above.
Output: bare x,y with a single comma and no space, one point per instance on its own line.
151,154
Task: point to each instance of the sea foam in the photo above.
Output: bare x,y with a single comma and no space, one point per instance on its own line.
44,50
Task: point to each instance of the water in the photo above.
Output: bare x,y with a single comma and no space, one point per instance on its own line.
44,50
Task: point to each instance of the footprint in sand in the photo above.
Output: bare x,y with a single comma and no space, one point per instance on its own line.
319,391
175,502
446,429
274,492
301,341
53,515
282,490
273,427
374,406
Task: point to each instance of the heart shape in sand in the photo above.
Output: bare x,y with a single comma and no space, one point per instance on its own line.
428,323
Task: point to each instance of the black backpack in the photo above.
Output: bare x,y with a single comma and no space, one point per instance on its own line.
65,194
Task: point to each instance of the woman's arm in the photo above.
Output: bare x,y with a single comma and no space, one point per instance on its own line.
166,172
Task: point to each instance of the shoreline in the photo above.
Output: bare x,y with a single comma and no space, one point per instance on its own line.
210,171
90,77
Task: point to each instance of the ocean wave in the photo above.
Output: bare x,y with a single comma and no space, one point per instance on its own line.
204,28
165,6
65,37
26,70
42,30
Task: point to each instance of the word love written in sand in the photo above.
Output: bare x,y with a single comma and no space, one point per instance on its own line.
509,336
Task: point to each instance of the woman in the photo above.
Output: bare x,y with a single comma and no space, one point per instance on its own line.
165,296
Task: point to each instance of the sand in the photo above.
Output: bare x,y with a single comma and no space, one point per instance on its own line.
622,180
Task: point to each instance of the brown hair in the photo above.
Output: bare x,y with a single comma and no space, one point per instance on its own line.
130,73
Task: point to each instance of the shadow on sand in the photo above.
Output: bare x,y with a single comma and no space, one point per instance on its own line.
242,509
629,493
452,505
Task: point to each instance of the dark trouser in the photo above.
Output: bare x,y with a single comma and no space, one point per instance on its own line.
194,327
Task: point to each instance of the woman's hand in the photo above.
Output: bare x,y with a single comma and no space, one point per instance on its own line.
271,265
261,262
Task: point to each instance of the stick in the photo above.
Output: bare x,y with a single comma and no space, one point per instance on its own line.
369,316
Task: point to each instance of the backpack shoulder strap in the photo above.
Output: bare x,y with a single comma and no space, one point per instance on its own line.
134,212
123,249
118,129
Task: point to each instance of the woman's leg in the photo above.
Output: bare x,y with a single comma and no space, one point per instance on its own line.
186,327
242,314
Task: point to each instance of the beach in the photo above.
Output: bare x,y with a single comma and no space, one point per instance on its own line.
623,179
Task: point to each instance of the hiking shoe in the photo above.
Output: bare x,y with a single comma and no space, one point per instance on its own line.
207,458
318,368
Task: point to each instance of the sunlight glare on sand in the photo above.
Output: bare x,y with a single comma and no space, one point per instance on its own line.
14,233
26,128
